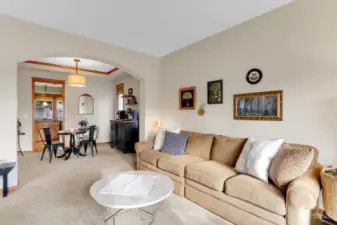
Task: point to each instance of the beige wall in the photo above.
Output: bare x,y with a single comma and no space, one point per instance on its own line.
22,41
296,48
99,87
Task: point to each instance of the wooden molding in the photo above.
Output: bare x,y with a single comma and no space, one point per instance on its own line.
52,81
113,70
71,67
10,189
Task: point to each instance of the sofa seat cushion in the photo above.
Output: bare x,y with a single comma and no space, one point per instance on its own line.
152,156
176,163
256,192
210,173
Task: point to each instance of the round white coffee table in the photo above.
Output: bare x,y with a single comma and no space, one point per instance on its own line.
162,188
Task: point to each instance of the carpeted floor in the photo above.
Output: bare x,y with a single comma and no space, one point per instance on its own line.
58,194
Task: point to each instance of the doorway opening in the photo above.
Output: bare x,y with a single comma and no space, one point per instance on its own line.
48,107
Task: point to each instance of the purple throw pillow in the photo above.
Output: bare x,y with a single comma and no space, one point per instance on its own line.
175,144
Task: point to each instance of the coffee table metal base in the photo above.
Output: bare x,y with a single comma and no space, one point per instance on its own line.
138,211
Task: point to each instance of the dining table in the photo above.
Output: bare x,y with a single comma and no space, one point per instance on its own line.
72,144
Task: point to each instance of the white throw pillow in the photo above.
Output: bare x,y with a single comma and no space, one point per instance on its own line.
160,138
256,156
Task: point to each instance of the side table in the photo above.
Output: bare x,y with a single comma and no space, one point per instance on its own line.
5,168
19,134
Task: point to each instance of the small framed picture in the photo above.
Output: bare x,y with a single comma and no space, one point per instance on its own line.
215,92
187,98
130,91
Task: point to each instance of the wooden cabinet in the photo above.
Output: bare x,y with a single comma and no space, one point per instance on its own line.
124,135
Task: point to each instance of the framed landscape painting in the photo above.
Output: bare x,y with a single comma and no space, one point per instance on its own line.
187,98
214,92
258,106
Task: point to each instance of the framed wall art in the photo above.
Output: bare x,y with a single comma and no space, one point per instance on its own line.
214,92
187,98
258,106
254,76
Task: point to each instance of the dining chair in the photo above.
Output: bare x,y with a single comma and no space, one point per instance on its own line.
47,136
90,140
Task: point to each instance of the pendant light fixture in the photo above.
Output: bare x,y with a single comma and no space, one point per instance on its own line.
44,103
75,79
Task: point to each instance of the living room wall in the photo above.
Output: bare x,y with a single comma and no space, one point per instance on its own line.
296,49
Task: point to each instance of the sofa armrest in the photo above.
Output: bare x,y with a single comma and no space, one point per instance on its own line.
304,191
143,146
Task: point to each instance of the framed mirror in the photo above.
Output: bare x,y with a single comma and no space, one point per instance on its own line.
86,105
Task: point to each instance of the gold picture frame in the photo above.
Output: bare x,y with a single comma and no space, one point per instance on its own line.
187,98
259,106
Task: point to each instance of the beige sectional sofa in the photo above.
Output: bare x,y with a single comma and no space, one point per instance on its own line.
206,175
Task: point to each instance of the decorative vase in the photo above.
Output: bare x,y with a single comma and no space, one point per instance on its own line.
201,110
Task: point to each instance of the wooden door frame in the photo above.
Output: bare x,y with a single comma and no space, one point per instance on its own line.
50,81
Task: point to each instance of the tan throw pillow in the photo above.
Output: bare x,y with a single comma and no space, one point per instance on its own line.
289,164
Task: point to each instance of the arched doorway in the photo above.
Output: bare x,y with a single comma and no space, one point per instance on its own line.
25,41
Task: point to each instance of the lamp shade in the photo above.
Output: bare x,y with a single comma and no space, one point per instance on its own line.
76,80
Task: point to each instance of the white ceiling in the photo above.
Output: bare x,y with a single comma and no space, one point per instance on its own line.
156,27
67,64
84,63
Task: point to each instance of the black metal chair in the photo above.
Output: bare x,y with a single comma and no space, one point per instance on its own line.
91,140
46,135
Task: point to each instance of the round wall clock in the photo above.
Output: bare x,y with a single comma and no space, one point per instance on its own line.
254,76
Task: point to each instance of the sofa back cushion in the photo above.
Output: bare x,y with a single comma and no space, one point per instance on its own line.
199,144
226,149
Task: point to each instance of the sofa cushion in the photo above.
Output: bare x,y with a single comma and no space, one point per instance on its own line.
257,192
210,173
151,156
160,137
316,153
175,144
256,156
176,163
289,164
200,145
226,149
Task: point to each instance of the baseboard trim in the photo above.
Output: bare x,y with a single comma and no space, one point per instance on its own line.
10,189
101,143
26,151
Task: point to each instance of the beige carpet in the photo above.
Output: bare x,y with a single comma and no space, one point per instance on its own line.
58,194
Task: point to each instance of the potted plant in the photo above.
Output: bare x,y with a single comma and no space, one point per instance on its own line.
329,186
83,123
